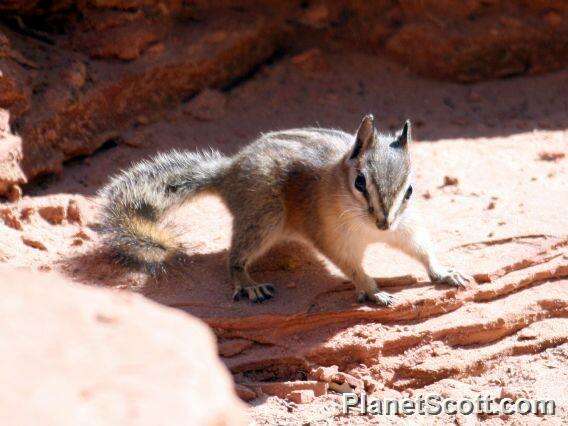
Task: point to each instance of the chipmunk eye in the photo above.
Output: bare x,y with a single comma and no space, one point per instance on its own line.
360,182
408,193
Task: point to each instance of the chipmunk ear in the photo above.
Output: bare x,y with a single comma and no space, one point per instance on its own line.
365,136
403,139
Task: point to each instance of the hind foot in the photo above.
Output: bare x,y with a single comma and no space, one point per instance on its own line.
380,298
255,293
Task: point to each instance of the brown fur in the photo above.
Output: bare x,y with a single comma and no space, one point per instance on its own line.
294,184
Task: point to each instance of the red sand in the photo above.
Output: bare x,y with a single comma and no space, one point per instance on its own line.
504,222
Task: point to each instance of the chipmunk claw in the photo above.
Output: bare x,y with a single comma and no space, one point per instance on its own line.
255,293
450,276
380,298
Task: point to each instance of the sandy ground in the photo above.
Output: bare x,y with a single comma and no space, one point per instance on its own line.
504,221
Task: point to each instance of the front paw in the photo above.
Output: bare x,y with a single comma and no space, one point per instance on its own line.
449,276
380,298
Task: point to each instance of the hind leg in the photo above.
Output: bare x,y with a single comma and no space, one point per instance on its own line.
254,232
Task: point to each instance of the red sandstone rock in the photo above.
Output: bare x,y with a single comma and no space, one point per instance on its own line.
125,42
83,235
11,155
76,74
136,139
4,121
73,212
53,214
509,330
317,16
356,385
514,392
27,212
325,374
33,243
233,347
169,58
304,396
14,94
9,219
450,181
14,193
551,156
245,393
312,62
207,106
84,355
283,389
435,49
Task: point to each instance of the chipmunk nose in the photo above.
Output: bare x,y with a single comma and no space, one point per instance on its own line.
382,225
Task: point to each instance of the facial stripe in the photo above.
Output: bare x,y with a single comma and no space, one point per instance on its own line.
366,195
368,200
399,199
374,200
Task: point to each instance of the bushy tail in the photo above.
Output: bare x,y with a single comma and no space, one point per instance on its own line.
136,201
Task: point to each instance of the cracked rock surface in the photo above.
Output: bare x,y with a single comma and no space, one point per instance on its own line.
491,181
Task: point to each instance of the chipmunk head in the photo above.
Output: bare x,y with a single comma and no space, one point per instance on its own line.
379,172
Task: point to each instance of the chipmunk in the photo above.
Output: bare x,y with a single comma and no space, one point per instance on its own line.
329,189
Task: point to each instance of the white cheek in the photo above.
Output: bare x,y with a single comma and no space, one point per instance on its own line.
359,198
